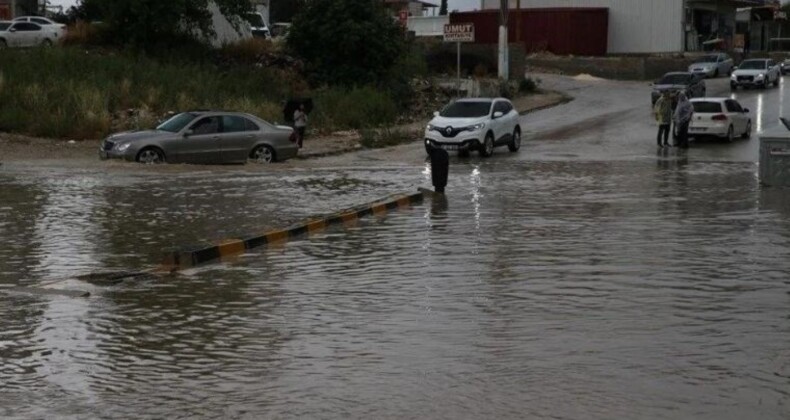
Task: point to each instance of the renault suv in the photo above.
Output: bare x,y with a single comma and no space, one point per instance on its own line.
474,124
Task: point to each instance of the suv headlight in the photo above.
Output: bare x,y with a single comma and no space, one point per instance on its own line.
431,127
760,76
476,127
123,147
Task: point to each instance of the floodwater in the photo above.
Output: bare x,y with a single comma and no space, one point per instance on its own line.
588,276
656,287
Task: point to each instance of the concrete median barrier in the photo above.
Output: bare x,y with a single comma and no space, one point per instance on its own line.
195,256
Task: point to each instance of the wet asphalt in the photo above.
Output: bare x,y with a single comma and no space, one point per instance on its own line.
590,275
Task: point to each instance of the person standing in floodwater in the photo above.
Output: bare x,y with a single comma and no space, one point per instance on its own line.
683,114
663,113
300,124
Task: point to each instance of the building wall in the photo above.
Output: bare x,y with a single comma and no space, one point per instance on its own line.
635,26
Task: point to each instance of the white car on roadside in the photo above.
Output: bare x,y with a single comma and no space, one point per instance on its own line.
57,29
720,117
758,72
24,34
471,124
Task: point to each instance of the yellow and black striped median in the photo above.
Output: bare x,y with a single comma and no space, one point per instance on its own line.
234,247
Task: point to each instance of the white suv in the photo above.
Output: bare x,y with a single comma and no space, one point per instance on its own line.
475,124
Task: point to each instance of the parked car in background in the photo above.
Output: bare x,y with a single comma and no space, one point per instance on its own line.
693,85
479,124
713,65
58,29
784,66
759,72
204,138
720,117
24,34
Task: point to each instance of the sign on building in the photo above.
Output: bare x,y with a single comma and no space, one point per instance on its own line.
459,32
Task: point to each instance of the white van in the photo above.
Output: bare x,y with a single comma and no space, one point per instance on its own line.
258,25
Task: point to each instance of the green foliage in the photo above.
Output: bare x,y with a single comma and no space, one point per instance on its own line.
346,42
151,24
64,92
365,107
527,85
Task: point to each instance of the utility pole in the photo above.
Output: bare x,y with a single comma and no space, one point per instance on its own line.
13,9
504,71
518,21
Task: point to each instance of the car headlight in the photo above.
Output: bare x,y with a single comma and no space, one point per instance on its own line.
733,77
431,127
476,127
123,147
760,76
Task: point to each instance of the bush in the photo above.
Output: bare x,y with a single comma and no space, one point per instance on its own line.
365,107
66,92
527,85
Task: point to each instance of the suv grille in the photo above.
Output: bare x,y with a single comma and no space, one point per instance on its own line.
449,132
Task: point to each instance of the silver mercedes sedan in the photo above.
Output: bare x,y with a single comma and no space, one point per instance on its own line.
204,138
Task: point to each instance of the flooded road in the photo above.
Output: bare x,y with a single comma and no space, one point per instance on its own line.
549,284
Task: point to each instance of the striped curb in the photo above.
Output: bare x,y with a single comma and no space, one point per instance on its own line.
234,247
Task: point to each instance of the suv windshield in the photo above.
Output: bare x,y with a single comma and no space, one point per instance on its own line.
675,79
255,20
753,65
466,109
177,123
4,26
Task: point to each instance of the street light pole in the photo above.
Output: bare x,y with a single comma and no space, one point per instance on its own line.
503,53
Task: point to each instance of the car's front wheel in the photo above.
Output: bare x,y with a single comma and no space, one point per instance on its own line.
150,156
46,43
515,143
487,148
263,154
748,133
3,44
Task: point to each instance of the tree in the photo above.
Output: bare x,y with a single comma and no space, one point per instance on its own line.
150,23
284,10
443,8
346,42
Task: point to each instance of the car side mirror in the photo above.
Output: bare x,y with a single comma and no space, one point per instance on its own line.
498,114
189,133
746,110
435,113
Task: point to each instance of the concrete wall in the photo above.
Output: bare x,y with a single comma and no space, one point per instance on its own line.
622,68
635,26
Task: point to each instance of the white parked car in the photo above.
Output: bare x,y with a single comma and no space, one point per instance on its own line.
479,124
758,72
58,29
720,117
24,34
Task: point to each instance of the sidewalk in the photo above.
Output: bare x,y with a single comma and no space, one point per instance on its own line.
348,141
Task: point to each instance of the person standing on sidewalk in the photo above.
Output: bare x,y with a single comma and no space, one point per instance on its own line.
300,124
683,114
663,113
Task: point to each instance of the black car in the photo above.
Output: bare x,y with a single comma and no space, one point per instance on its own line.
693,85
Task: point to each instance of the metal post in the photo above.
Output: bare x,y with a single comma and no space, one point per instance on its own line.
518,21
13,9
458,91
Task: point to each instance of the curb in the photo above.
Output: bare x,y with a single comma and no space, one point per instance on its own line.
233,247
566,99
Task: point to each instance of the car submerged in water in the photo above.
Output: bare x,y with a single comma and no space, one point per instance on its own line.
204,138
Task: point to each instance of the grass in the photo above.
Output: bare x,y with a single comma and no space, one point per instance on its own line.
386,137
73,93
